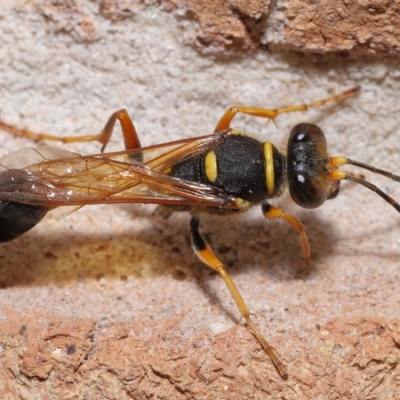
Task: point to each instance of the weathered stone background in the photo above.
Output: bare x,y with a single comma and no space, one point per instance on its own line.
110,302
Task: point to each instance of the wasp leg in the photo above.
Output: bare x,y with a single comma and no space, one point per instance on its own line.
225,122
207,256
271,212
128,130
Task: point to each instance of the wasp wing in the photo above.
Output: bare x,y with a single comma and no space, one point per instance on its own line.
75,180
163,157
28,156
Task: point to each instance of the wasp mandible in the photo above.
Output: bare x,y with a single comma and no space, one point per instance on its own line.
223,173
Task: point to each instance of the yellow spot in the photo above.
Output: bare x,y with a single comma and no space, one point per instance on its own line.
337,161
242,204
211,168
269,167
239,201
337,174
327,349
237,132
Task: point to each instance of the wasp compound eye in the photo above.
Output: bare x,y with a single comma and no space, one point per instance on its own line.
306,132
307,165
305,192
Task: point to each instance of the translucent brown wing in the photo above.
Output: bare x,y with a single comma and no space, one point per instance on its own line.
54,177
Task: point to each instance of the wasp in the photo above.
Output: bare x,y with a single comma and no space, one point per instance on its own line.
224,173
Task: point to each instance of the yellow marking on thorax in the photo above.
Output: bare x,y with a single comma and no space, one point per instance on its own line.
269,167
236,132
211,168
242,204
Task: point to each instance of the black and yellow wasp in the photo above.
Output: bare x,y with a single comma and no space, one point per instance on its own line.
223,173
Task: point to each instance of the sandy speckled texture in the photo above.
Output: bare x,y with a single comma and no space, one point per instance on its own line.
110,301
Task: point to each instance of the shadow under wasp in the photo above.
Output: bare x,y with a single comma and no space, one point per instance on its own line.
223,173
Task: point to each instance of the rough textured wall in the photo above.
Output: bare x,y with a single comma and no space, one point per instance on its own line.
110,302
314,26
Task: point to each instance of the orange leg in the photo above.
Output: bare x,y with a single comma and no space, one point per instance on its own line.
225,122
128,130
271,212
207,256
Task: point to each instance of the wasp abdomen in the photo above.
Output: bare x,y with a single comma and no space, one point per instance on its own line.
17,218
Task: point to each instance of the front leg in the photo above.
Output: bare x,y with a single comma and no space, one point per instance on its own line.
207,256
271,212
271,113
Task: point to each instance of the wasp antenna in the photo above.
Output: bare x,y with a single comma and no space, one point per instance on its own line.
374,169
338,174
375,189
341,160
